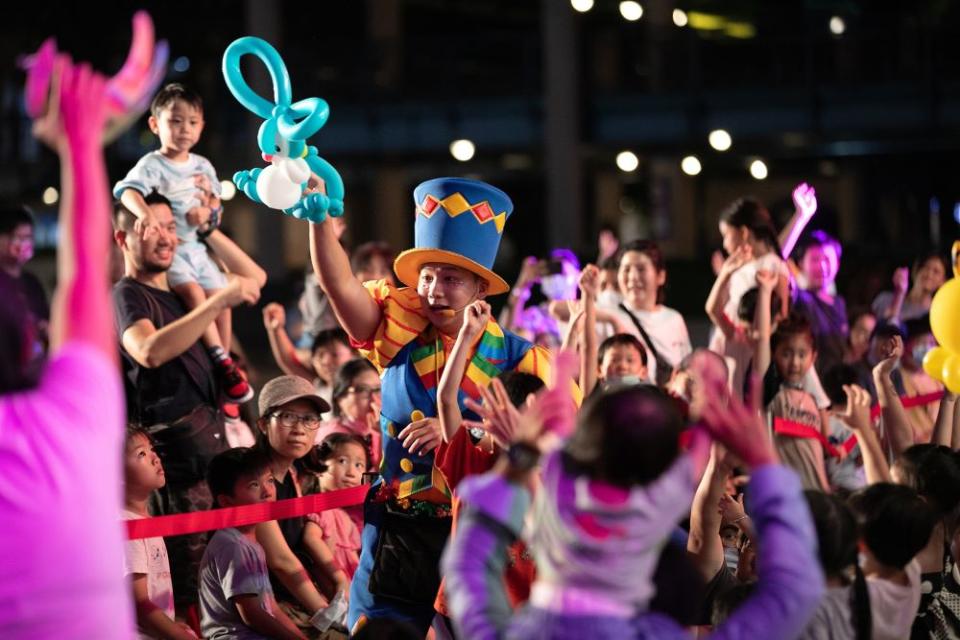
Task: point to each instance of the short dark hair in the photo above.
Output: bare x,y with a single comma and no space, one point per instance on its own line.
792,325
625,437
820,239
622,340
916,327
520,385
227,467
170,94
124,219
328,337
747,308
895,522
13,216
885,331
132,431
934,471
363,255
834,380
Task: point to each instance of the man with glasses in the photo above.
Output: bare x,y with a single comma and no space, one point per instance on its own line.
407,333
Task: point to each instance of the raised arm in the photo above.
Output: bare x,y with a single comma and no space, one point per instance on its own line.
703,544
353,305
895,420
718,294
73,126
857,417
274,319
805,206
766,281
152,347
943,428
589,289
519,294
475,319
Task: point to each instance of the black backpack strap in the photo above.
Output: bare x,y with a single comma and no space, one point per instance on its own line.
643,333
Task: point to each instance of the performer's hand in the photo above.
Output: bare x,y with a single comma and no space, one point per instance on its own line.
420,437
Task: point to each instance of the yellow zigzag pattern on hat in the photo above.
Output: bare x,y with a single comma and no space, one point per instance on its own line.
455,204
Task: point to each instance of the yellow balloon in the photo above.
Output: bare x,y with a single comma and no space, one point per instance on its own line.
933,362
945,315
951,373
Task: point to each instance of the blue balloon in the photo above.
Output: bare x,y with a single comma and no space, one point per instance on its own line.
282,139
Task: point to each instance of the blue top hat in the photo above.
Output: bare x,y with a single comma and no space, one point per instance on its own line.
459,222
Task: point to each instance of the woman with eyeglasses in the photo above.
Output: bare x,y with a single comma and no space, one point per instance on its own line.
356,407
296,554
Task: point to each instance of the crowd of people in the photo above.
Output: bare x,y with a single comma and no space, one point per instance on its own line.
570,469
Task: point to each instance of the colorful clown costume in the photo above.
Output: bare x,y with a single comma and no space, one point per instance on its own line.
459,222
410,354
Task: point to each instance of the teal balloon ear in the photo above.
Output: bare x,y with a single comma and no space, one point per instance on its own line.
233,75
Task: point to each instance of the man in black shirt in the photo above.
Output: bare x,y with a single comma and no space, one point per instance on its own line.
168,375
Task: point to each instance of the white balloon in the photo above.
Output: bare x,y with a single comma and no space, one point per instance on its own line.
276,190
297,170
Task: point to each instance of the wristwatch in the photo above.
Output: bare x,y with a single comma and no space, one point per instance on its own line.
476,434
523,456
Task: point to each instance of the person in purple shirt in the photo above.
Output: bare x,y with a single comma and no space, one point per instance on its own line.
790,584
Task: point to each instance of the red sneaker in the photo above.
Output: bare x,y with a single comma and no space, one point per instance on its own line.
233,383
231,410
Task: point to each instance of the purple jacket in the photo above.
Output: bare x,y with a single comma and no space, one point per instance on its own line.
788,592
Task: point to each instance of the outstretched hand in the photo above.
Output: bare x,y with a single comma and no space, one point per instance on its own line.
805,200
77,110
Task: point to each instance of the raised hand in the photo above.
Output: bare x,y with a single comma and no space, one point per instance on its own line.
274,316
590,281
805,200
901,280
890,351
475,319
857,412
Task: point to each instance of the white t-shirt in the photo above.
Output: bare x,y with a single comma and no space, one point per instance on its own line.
894,606
149,557
666,329
61,478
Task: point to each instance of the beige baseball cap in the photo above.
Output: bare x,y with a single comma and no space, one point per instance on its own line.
284,389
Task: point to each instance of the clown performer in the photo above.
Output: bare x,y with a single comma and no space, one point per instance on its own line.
407,333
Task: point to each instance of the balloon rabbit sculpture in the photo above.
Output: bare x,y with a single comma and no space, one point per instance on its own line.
282,139
943,362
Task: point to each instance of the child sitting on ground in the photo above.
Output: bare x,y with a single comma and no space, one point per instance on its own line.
145,560
190,183
895,524
236,599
